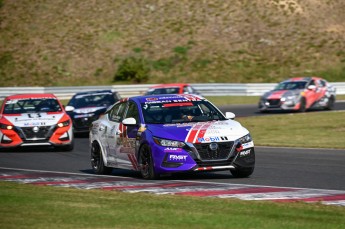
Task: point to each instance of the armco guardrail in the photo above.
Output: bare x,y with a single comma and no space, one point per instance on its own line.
209,89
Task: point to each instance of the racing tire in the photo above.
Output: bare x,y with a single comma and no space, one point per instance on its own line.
303,103
242,172
97,161
330,103
146,163
68,148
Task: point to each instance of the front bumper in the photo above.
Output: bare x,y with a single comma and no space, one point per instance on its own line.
36,136
277,104
198,157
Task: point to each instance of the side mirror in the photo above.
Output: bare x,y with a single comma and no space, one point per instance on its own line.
311,87
69,108
129,122
230,115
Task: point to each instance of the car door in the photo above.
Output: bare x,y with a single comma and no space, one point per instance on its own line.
110,130
311,94
125,153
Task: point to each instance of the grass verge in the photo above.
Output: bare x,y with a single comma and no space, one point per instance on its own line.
28,206
310,129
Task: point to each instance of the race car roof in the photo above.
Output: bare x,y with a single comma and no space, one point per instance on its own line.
169,85
302,79
94,92
33,95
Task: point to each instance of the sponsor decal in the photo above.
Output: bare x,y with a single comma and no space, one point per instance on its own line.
170,149
176,158
83,115
34,124
245,153
212,139
248,145
151,99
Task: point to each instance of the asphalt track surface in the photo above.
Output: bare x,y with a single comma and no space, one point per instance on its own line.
283,167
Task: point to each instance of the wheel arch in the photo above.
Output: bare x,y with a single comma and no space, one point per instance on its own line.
95,141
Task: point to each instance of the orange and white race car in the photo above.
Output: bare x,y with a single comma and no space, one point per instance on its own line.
34,120
299,94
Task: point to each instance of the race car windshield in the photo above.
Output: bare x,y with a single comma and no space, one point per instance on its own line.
92,100
291,85
159,91
31,105
180,112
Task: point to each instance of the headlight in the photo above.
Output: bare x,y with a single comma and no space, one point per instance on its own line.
291,97
63,124
245,139
5,126
168,143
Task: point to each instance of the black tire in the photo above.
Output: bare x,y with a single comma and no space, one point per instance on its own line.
97,162
330,103
242,172
303,103
69,147
146,163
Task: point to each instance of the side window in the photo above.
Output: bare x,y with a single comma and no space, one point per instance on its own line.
186,90
116,112
322,83
132,111
312,82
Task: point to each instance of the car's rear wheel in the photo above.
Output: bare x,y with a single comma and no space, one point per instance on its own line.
242,172
330,103
146,163
97,161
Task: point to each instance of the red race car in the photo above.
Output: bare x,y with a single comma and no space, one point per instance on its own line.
173,88
34,120
299,94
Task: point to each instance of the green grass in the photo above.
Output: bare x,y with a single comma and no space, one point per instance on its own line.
233,100
181,41
28,206
310,129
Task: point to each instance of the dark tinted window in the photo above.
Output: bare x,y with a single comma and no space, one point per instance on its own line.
103,99
31,105
116,113
132,111
293,85
191,111
158,91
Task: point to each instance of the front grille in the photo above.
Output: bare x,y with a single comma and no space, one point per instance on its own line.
274,102
43,132
83,122
214,163
222,153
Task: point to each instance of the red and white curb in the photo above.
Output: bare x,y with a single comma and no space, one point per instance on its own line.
174,187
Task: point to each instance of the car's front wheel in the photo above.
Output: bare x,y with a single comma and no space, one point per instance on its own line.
97,162
303,104
146,163
242,172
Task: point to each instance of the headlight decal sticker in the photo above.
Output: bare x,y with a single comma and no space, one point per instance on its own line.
197,132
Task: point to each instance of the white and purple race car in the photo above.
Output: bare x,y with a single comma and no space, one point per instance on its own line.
165,134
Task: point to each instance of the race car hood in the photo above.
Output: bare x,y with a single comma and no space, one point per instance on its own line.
34,119
85,110
200,132
278,94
